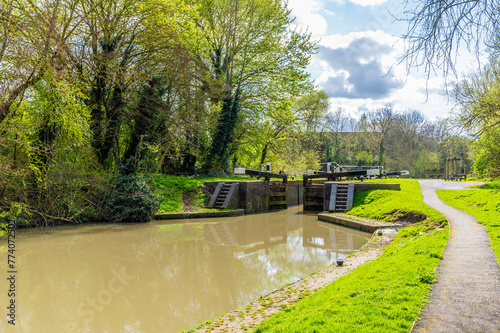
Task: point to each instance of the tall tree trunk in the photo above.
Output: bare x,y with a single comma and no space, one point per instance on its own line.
381,153
224,135
264,154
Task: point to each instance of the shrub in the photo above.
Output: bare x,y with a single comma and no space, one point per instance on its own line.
131,200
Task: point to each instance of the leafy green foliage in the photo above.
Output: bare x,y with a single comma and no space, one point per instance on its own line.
131,200
224,135
15,214
486,149
364,158
484,205
427,162
254,58
311,108
149,86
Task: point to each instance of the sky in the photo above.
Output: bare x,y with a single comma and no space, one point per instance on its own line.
356,64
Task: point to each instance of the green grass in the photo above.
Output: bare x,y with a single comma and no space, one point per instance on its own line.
172,189
385,295
483,204
489,185
388,205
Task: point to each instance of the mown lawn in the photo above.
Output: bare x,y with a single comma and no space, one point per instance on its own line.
482,203
385,295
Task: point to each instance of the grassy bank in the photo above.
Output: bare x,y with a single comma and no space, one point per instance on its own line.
483,204
184,193
392,206
385,295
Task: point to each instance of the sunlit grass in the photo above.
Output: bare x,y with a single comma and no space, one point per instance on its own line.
172,189
385,295
388,205
483,204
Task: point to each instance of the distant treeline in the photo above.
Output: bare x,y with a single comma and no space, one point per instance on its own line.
396,140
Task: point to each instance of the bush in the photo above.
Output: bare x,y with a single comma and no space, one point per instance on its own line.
131,200
15,214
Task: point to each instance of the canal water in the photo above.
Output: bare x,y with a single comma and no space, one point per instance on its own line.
163,276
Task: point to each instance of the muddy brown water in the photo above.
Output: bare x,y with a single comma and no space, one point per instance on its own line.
163,276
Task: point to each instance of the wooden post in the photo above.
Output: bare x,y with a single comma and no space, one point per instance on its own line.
447,171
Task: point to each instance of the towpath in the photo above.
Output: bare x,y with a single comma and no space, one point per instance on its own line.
466,297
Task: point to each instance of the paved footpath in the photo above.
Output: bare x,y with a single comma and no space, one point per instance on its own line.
467,296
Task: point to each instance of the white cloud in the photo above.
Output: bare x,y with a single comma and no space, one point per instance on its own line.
368,2
308,16
337,41
416,94
387,59
360,73
357,65
360,68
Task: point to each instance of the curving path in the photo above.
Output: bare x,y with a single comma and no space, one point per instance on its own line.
467,295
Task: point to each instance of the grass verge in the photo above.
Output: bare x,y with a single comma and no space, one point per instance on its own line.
484,205
183,193
392,206
385,295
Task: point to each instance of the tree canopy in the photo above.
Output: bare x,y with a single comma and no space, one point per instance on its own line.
137,87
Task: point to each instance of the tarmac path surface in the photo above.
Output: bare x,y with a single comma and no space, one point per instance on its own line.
466,297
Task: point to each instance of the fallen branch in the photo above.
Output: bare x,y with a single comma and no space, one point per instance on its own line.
45,216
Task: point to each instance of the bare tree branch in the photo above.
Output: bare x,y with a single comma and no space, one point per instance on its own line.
438,28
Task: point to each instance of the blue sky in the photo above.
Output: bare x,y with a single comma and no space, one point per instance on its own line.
356,64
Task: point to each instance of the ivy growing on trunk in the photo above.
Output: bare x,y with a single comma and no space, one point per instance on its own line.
224,135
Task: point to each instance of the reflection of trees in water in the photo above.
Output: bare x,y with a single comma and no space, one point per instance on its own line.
61,270
335,240
174,284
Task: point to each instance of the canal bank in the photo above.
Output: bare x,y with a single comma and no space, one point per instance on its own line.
250,316
166,276
383,295
232,197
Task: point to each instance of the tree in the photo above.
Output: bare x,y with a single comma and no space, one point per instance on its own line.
32,40
380,121
486,148
251,53
311,110
174,41
437,28
407,139
85,80
364,158
426,164
336,123
478,99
